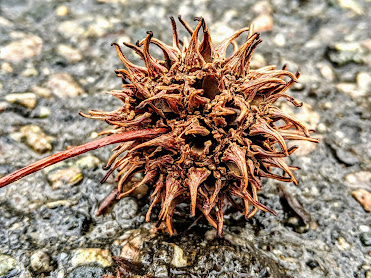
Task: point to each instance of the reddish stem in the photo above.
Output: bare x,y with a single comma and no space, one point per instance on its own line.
112,139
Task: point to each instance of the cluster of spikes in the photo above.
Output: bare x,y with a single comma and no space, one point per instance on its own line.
201,127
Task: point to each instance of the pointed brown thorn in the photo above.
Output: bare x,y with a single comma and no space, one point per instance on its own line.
136,72
186,25
237,155
206,47
193,58
238,64
50,160
150,175
196,176
107,201
222,48
263,128
154,68
175,34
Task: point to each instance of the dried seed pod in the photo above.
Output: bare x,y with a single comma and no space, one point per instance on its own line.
201,126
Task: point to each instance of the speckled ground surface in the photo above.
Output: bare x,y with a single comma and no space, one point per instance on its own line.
55,59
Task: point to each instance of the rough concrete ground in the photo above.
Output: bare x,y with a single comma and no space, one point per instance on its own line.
55,59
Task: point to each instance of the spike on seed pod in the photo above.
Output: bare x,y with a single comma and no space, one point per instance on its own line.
202,127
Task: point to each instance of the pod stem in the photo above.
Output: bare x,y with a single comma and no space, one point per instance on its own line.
74,151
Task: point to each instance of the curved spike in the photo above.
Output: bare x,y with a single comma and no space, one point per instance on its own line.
192,57
154,68
186,25
206,47
196,176
262,127
136,72
147,178
238,63
175,34
222,48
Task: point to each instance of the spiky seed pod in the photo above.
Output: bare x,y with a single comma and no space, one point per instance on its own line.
200,126
221,120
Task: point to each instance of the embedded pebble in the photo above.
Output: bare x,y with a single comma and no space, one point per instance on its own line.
346,52
30,72
279,40
263,23
42,92
306,114
91,255
64,86
86,272
19,50
179,260
327,72
62,10
70,29
361,179
350,89
66,176
7,263
28,100
125,211
364,82
343,244
88,162
257,61
351,5
99,27
40,262
141,191
363,197
6,68
73,55
366,238
37,139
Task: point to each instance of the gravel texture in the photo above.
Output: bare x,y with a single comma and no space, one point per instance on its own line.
55,59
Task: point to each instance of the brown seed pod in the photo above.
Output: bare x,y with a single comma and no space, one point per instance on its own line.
200,126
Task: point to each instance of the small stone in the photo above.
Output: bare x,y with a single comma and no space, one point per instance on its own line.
306,114
321,128
364,82
6,68
210,235
62,10
66,176
99,27
88,162
363,197
131,242
44,112
40,262
28,100
343,244
30,72
73,55
37,139
279,40
42,92
350,89
86,272
7,263
63,85
351,5
70,29
263,23
327,72
179,259
161,271
141,191
346,52
19,50
361,179
366,238
125,211
91,255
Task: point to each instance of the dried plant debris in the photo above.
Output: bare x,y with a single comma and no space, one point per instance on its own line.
201,127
